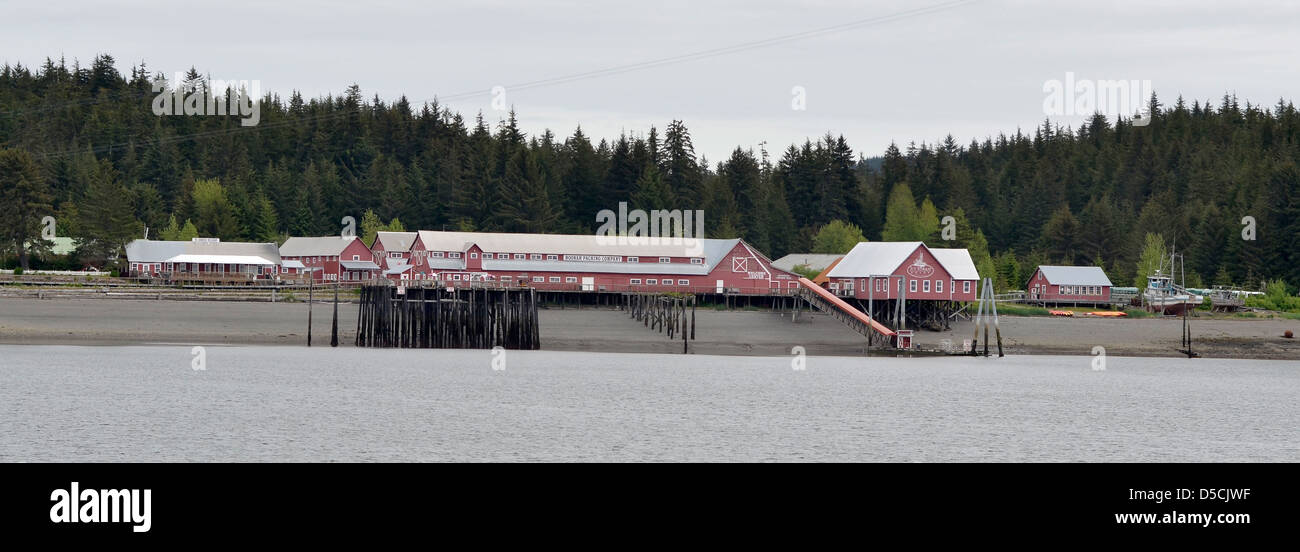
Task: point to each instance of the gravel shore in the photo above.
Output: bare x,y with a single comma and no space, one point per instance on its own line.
124,321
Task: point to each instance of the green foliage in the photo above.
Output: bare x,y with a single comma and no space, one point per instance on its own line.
805,271
1277,297
1151,259
837,237
188,232
1189,176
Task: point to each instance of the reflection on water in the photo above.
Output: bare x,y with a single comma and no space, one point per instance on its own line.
321,404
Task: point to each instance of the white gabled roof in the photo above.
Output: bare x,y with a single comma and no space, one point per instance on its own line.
814,261
570,244
957,262
873,259
396,241
1075,275
325,246
881,258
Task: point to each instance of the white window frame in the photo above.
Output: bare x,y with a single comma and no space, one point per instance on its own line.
911,286
454,254
651,281
552,257
487,256
534,256
554,279
473,255
570,279
665,260
634,281
938,286
634,259
965,286
539,279
925,286
683,282
697,260
520,256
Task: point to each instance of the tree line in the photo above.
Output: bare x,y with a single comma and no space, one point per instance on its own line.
80,143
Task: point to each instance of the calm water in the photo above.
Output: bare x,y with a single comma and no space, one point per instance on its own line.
295,404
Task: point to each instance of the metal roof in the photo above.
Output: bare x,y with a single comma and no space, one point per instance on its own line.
292,264
814,261
676,269
446,264
571,244
1075,275
395,241
153,251
324,246
881,258
398,269
957,262
358,265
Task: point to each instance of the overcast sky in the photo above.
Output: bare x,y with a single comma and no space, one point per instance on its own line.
973,69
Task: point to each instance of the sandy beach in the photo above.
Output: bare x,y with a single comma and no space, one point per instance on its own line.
131,322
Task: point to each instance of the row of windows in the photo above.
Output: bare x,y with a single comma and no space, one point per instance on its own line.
882,285
314,260
1081,290
655,282
529,256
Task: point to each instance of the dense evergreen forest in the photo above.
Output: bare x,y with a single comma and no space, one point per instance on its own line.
82,144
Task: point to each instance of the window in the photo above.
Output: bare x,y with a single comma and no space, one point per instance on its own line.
356,257
683,282
665,259
455,277
473,255
635,281
555,279
436,254
520,256
911,286
487,255
539,279
651,281
926,286
570,279
455,255
835,285
965,286
552,257
394,254
535,257
938,286
633,259
697,261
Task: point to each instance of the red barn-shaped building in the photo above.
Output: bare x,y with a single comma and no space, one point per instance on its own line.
392,252
1069,284
330,258
910,270
587,262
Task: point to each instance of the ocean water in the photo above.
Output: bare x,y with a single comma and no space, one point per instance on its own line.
148,403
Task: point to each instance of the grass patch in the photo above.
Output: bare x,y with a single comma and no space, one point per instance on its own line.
1138,313
1016,310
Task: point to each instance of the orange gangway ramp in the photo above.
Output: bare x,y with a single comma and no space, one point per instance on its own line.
846,308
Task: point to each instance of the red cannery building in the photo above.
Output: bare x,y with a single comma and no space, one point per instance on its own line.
905,270
329,258
582,262
392,252
1069,284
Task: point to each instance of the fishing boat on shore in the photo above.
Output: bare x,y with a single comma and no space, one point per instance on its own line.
1163,295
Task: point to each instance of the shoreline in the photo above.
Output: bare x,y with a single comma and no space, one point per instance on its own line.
99,322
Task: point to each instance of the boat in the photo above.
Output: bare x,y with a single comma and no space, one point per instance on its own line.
1226,299
1163,295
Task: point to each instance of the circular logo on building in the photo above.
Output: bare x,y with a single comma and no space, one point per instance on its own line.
919,268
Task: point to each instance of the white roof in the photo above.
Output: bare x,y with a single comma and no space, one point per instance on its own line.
957,262
324,246
396,241
873,259
292,264
814,261
882,258
1075,275
157,251
571,244
220,259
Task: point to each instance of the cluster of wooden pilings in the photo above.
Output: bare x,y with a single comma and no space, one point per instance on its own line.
441,318
663,313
